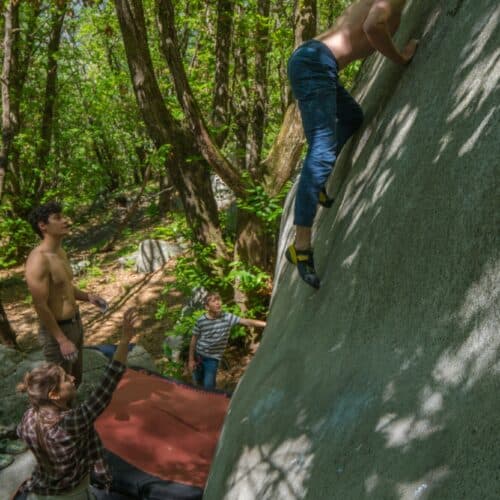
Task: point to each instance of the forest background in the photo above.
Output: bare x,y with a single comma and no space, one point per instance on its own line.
147,100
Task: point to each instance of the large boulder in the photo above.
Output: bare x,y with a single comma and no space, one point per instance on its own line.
385,383
154,254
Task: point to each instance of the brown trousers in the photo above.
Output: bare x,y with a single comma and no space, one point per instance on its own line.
74,331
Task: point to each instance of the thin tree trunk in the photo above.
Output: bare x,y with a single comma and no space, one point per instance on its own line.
50,94
189,175
7,335
10,88
16,64
305,20
257,124
281,63
220,102
164,195
240,95
185,32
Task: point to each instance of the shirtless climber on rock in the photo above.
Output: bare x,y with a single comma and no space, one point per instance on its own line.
329,114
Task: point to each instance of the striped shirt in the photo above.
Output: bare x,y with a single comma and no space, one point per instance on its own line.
72,445
213,334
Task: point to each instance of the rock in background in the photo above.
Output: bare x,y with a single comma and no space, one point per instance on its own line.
385,383
154,254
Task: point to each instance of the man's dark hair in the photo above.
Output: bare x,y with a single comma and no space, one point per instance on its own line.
42,214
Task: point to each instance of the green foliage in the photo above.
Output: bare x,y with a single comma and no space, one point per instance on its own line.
171,368
16,237
175,228
265,207
183,324
161,311
94,272
83,283
192,271
153,211
249,279
348,74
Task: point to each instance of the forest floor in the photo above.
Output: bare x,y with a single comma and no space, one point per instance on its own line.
121,286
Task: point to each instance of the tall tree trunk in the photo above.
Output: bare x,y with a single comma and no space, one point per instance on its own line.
240,104
206,146
15,68
189,175
43,152
281,63
305,20
7,335
10,89
220,102
257,123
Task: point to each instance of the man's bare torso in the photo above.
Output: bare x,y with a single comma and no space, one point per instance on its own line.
61,300
347,39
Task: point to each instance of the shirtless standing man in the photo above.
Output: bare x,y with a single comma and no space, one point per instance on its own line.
49,279
329,114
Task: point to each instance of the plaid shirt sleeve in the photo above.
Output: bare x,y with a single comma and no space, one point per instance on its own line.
81,418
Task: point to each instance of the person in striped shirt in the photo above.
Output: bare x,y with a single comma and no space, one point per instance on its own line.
209,340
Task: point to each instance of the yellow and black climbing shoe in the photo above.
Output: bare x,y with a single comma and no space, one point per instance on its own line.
304,261
324,200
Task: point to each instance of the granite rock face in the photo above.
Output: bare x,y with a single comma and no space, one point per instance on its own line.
384,383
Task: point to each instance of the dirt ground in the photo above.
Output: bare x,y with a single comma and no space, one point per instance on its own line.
122,287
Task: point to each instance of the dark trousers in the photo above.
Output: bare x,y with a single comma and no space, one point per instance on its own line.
205,372
73,329
329,116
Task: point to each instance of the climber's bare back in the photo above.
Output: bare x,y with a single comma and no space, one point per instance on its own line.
347,38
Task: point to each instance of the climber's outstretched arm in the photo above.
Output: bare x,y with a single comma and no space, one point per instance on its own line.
378,31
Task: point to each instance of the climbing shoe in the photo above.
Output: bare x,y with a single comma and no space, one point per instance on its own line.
304,261
324,200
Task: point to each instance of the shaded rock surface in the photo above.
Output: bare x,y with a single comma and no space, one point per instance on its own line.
16,473
384,384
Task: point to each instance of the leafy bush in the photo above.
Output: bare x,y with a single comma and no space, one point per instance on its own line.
265,207
16,238
175,229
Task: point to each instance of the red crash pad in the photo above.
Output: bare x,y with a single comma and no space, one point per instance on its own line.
166,429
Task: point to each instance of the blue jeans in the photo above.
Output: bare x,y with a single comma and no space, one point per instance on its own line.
205,371
329,116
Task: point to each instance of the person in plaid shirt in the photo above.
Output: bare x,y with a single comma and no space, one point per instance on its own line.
62,438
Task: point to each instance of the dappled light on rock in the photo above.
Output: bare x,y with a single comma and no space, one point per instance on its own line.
384,383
